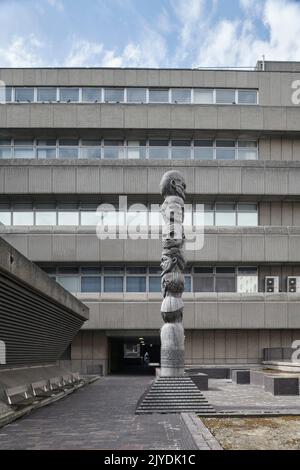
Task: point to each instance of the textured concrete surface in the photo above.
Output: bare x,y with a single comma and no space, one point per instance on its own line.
99,416
226,396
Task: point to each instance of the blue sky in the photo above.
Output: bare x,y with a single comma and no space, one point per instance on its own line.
147,33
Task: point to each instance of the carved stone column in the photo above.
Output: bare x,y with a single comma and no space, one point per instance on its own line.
172,187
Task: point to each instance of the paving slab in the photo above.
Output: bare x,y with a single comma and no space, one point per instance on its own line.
99,416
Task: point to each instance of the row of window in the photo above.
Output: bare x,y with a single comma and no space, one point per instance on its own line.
147,279
129,95
215,214
176,149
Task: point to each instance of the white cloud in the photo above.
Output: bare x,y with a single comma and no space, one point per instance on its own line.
22,52
84,53
235,43
56,4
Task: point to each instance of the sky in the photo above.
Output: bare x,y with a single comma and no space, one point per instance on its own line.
147,33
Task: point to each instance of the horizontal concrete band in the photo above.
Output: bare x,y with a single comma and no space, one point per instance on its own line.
14,266
140,178
150,116
213,314
257,245
274,88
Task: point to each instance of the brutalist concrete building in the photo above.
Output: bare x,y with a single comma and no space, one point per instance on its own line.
72,140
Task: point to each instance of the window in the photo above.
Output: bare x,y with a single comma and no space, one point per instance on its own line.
91,149
158,149
154,284
90,284
203,280
68,218
247,150
5,217
45,218
46,94
181,149
247,96
136,149
247,215
24,94
158,95
181,95
46,149
136,95
69,94
70,283
114,95
225,150
8,94
92,95
225,96
68,148
203,96
135,218
23,218
136,284
209,214
113,284
203,150
113,149
5,148
247,279
23,148
90,217
187,283
225,280
225,214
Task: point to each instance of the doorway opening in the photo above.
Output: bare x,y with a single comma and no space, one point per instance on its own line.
134,355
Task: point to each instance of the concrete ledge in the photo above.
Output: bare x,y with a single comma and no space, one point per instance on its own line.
241,376
202,437
281,385
285,366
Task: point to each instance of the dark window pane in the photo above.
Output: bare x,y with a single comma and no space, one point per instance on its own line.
90,270
203,284
158,96
225,284
69,94
204,269
46,94
113,270
136,270
154,284
247,271
91,94
226,270
154,270
91,284
187,283
225,96
181,95
113,284
24,94
136,284
247,96
114,95
136,95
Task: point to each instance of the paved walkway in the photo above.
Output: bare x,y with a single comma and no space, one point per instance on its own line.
98,416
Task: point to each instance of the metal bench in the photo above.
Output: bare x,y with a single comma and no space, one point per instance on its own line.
19,396
41,389
56,384
77,380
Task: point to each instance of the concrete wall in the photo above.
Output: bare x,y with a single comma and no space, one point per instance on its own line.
202,311
221,244
279,148
276,213
275,88
275,118
215,178
234,346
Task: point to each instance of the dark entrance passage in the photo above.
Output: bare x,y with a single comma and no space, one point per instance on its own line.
134,355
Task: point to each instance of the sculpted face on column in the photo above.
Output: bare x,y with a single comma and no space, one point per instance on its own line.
173,184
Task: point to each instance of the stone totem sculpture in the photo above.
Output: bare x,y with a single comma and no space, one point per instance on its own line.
172,187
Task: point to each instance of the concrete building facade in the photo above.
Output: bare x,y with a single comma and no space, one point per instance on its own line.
73,139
